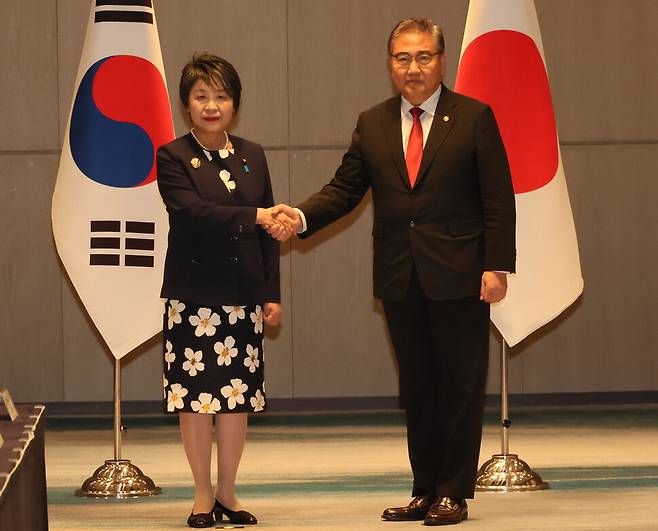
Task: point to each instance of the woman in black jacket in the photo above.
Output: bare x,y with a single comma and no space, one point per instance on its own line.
221,282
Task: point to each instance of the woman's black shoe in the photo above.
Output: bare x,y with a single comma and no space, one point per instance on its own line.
202,519
235,517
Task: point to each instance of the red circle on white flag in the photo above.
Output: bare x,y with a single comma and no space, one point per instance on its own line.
505,70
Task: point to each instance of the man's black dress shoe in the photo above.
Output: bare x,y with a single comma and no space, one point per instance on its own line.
416,510
235,517
201,520
446,511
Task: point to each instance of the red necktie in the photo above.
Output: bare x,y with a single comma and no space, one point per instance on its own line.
415,146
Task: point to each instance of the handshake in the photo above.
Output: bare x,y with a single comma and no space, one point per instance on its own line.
280,221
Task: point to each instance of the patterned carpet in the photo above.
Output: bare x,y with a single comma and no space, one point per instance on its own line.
338,471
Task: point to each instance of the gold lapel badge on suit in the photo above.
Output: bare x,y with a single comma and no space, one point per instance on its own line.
195,163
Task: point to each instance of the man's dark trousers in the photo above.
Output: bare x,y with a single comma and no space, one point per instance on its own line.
442,348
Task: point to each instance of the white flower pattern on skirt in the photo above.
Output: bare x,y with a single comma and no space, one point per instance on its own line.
173,313
251,361
257,401
234,313
225,351
207,333
257,318
175,397
205,321
193,363
169,356
234,393
206,404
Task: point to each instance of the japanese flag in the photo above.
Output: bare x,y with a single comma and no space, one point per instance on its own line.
502,64
109,222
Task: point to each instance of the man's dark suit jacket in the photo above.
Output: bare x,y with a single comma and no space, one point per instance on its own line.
456,222
216,254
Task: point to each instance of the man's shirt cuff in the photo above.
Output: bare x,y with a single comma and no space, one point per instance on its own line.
303,218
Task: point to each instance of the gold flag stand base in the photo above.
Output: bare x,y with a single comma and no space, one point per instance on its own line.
118,479
508,473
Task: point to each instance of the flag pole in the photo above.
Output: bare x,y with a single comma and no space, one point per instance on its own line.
118,478
504,403
117,410
506,472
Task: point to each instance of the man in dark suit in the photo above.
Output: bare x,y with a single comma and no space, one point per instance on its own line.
444,239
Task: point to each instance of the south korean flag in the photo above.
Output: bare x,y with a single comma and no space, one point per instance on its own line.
109,222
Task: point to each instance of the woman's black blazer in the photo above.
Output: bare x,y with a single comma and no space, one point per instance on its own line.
216,253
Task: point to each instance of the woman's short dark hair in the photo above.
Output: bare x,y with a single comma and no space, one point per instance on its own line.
215,72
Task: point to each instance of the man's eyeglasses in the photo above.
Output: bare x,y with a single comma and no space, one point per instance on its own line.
405,59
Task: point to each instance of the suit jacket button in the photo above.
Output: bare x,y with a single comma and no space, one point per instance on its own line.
234,259
412,223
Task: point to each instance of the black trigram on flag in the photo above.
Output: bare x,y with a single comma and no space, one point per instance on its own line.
114,13
108,244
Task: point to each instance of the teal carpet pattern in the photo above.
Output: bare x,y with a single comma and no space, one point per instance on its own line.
338,471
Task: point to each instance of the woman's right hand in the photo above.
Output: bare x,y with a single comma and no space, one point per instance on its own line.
280,221
276,228
264,217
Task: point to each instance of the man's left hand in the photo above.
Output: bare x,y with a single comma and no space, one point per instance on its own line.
493,287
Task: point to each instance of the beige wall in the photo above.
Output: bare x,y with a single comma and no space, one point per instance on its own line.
308,68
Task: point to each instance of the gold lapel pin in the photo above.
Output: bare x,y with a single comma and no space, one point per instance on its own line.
196,163
446,118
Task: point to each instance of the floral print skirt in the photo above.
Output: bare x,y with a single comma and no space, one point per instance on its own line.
213,358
